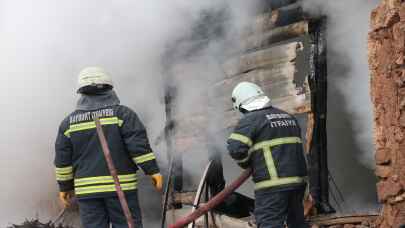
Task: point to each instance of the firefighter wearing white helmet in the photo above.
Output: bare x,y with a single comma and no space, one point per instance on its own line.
268,140
93,77
81,168
248,96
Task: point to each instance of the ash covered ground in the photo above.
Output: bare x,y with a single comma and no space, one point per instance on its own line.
37,224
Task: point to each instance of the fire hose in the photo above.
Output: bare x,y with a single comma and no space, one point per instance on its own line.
215,201
113,171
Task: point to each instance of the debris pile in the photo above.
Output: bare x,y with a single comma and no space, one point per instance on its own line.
37,224
365,225
387,65
344,221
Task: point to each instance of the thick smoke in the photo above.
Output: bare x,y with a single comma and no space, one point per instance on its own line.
350,118
45,43
348,24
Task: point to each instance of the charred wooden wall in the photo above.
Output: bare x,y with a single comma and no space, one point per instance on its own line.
289,63
387,65
285,53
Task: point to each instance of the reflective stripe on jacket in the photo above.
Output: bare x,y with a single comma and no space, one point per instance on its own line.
269,141
79,159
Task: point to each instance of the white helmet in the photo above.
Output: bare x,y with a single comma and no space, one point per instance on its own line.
93,76
248,96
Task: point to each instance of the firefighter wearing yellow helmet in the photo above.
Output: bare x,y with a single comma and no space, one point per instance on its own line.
80,165
268,140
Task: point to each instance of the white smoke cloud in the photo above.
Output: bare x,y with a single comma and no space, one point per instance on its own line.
44,44
350,113
348,26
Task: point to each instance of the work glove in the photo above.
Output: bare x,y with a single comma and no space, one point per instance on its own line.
65,198
157,180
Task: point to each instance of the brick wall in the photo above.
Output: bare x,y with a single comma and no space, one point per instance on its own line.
387,66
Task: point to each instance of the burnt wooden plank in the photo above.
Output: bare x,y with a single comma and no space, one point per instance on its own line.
276,4
186,198
290,104
341,220
284,96
285,15
232,117
262,58
260,40
270,74
277,83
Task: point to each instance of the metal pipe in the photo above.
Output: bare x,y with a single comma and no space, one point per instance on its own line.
200,189
114,174
166,194
215,201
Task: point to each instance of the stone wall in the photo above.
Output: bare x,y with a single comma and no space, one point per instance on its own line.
387,65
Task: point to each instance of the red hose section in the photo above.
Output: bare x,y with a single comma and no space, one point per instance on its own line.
114,173
215,201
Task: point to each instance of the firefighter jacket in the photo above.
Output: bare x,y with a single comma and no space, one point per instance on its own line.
79,160
269,141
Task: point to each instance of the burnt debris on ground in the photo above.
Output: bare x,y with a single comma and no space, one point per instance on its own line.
37,224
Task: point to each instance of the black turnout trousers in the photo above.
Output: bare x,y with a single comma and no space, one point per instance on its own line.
101,212
274,209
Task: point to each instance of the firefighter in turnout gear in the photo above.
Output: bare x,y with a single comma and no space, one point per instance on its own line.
81,168
268,140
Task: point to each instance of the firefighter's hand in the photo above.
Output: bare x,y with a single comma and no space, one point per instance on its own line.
65,198
157,180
